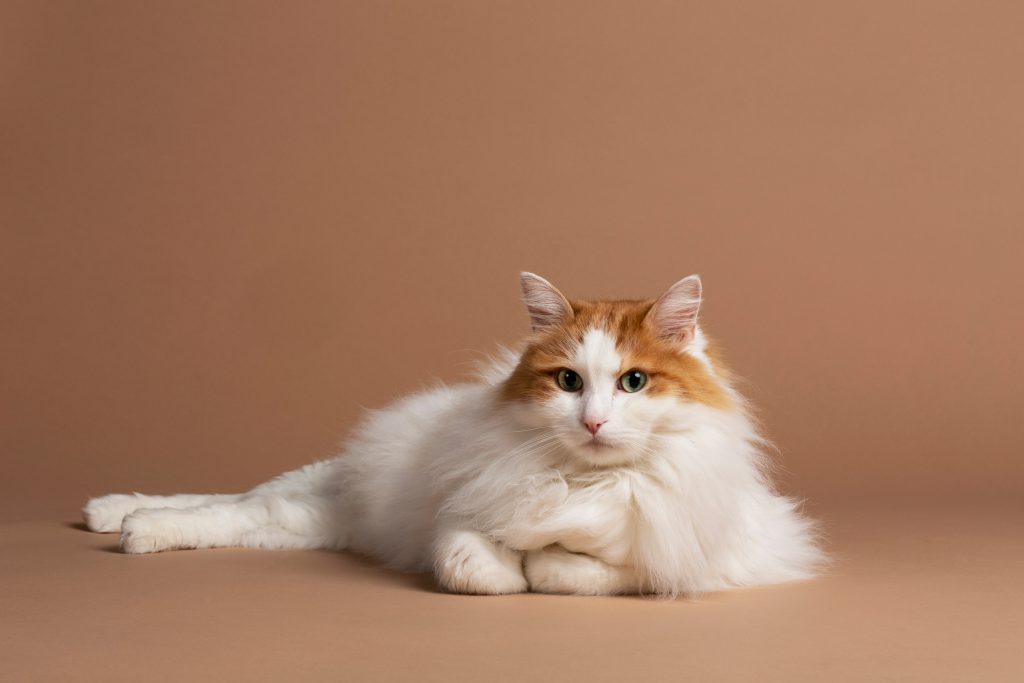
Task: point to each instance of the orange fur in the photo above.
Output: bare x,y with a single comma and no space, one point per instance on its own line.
670,371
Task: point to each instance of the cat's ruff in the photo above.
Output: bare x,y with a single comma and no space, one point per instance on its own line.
612,456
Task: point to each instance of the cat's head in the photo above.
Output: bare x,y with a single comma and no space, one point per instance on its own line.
606,379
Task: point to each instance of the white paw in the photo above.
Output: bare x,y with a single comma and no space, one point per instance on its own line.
556,570
550,570
104,514
148,531
470,564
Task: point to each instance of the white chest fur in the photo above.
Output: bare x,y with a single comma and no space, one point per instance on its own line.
592,514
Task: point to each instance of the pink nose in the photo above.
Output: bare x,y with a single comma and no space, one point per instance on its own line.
593,425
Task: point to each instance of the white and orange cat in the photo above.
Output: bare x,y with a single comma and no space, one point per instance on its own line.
612,456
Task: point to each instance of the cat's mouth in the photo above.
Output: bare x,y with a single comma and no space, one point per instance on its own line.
600,446
604,452
596,443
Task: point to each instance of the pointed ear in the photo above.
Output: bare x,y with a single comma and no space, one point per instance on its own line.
674,315
545,304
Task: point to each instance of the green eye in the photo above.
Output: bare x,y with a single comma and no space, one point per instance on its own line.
569,380
633,381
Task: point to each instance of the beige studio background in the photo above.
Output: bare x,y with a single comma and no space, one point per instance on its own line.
227,227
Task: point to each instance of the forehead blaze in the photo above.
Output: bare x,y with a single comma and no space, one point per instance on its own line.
671,372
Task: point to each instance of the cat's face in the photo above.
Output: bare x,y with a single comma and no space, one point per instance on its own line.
603,380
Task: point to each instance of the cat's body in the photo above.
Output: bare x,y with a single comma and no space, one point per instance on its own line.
538,477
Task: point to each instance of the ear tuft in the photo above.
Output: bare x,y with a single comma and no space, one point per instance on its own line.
544,302
674,315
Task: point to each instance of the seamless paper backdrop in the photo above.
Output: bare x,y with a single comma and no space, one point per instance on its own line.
229,227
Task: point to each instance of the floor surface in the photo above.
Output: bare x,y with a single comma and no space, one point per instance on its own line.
915,595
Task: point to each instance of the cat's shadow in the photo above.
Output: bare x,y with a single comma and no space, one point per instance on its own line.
80,526
353,562
362,565
367,567
425,582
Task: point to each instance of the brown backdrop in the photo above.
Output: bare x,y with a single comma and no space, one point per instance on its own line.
229,226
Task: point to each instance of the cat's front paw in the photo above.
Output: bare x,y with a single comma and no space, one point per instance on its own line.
556,570
104,514
148,531
551,570
467,562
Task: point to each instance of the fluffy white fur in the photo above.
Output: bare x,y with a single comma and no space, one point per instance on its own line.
497,497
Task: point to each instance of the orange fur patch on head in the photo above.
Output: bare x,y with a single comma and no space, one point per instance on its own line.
670,371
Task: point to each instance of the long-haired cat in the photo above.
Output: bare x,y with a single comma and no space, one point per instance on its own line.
612,456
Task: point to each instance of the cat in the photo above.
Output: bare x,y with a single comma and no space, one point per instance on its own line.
612,456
